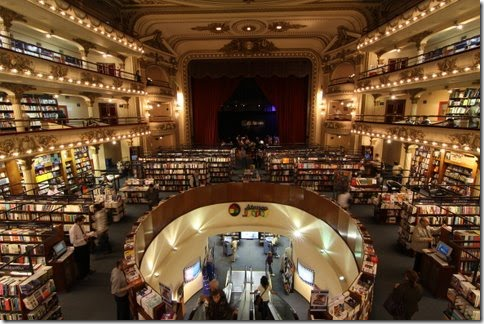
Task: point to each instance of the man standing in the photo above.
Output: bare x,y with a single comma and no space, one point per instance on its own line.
269,260
79,239
119,289
235,244
422,238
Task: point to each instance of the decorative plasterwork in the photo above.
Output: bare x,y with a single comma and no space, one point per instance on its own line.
97,134
91,77
59,71
62,4
412,73
166,126
14,61
420,37
216,28
18,144
117,83
242,26
404,132
8,16
472,140
384,79
447,65
343,37
139,130
249,46
86,45
282,26
17,89
363,128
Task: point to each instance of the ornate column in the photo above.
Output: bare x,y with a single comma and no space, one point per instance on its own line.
6,18
409,152
414,98
94,150
18,90
418,39
28,175
91,97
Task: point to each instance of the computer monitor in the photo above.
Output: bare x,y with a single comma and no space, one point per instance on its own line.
443,249
59,249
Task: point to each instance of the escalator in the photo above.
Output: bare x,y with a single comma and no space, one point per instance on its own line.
239,288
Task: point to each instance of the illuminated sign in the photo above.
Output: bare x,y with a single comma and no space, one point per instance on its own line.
255,211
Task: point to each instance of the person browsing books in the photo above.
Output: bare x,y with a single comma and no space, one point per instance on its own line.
422,238
119,290
79,239
409,292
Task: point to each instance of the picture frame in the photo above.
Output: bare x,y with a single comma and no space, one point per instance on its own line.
319,300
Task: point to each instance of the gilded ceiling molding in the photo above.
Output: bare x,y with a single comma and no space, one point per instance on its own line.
364,84
97,134
472,140
117,83
166,126
384,79
21,144
16,88
58,71
417,72
405,133
249,46
447,65
8,16
15,61
282,26
364,128
217,28
139,130
62,4
86,45
477,58
79,13
90,77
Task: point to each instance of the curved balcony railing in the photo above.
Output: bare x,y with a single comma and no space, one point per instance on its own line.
471,122
45,124
437,54
19,46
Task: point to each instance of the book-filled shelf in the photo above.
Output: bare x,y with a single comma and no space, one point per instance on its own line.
356,302
388,206
454,171
7,119
42,210
48,170
83,166
455,211
175,173
460,101
27,292
135,190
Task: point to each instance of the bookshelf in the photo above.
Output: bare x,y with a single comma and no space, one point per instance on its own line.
219,168
37,241
315,174
4,181
48,212
364,191
7,119
451,212
173,173
135,190
388,206
458,172
28,294
282,170
47,169
460,100
464,299
83,166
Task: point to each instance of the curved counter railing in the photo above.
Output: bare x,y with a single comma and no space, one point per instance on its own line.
167,211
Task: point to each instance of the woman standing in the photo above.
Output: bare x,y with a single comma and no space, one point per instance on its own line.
410,293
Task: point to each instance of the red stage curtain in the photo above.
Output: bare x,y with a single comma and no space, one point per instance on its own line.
208,95
290,97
